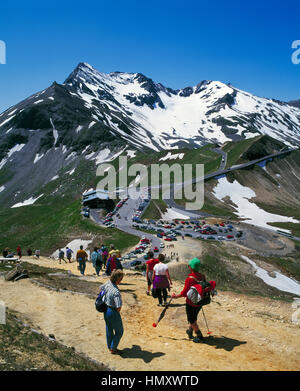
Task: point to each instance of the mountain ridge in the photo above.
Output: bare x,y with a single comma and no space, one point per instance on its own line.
94,117
148,115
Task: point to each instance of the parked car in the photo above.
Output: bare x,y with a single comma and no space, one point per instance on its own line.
229,236
155,249
168,239
135,263
189,235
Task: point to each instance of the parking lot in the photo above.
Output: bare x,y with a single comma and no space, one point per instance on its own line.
190,228
156,234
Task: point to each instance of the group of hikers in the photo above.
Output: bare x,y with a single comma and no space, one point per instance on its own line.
157,276
101,257
6,253
109,259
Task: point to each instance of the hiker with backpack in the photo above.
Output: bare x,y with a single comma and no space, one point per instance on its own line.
113,263
61,256
113,250
113,303
81,258
161,281
69,253
96,257
149,270
104,255
195,287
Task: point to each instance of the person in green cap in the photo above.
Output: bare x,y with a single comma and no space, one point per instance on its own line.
192,310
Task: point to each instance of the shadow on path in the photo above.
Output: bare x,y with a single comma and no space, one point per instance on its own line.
136,352
223,342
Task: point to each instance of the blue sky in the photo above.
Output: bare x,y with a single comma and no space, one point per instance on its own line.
177,43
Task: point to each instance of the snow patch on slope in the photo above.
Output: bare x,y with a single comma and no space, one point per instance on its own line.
30,201
280,282
241,196
16,148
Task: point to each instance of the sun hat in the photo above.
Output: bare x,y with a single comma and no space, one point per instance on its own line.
195,264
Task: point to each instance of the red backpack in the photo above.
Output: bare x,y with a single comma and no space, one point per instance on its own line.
200,293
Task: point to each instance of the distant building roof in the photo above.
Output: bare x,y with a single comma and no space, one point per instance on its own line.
95,194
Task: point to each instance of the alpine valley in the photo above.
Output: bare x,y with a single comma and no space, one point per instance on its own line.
52,142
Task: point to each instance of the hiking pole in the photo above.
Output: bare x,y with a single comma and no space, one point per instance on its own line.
162,314
208,332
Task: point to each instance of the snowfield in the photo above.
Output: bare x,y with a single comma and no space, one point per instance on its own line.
172,214
241,196
74,245
280,281
169,156
16,148
37,157
30,201
194,114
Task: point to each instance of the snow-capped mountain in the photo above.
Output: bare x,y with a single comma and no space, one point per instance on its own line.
96,116
92,107
148,114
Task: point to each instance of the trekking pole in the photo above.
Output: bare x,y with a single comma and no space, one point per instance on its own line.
208,332
162,314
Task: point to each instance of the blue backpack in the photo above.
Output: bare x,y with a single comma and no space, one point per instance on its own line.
99,303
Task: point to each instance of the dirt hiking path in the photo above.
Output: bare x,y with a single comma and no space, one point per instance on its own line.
249,333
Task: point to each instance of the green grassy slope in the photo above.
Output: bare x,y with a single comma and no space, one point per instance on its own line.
236,149
50,226
55,219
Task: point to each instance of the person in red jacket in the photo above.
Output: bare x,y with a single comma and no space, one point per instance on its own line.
192,310
19,252
149,270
